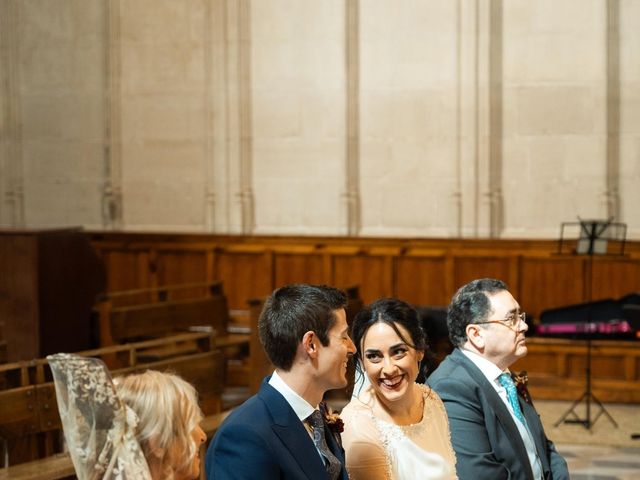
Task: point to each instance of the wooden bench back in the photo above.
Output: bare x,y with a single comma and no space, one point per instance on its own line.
121,324
29,419
160,319
140,296
204,370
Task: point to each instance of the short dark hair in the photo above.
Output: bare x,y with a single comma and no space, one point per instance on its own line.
292,311
471,304
393,312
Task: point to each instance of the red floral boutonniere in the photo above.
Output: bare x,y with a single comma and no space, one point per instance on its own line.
521,379
333,421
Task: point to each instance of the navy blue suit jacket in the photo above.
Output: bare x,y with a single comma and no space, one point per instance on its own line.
264,439
484,435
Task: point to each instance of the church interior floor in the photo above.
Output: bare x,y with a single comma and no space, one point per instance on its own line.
597,462
603,452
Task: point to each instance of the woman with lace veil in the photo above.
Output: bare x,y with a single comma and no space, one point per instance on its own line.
144,426
394,428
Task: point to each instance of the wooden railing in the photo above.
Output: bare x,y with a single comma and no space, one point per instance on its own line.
59,466
29,420
155,312
556,369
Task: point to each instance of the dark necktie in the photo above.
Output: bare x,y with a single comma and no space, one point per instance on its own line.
332,464
512,394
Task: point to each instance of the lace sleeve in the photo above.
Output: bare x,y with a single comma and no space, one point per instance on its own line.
98,428
364,452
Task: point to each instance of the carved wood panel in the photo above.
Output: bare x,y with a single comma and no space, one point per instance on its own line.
299,268
244,276
467,268
127,269
373,274
548,282
613,278
422,281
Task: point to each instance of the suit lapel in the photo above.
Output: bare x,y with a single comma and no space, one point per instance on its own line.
531,416
499,408
290,430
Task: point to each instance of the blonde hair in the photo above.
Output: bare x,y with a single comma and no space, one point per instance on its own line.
168,411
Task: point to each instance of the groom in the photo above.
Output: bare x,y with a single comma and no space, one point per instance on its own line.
280,433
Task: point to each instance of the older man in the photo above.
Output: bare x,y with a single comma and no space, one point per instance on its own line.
495,432
280,433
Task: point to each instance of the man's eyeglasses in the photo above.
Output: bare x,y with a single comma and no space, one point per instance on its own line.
512,321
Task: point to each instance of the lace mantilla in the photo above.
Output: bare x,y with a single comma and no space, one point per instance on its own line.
98,428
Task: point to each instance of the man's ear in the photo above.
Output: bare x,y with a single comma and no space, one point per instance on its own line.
310,343
475,336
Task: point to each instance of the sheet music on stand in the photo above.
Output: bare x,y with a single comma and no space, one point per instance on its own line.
592,237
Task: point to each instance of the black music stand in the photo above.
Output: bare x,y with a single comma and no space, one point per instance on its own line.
596,237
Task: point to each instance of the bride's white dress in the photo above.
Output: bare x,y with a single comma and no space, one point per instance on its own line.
379,450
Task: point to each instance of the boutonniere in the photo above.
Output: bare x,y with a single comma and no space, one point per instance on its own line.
333,421
521,379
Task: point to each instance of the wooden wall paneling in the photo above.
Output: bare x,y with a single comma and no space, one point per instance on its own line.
370,272
127,269
514,283
210,259
259,364
390,279
613,278
19,308
328,268
471,267
549,282
245,275
421,280
49,280
613,373
298,268
176,267
449,277
538,363
606,365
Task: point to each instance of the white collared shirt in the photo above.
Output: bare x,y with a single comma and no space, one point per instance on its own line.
300,406
491,371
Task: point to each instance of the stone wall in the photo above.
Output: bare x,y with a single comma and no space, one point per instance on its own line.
484,118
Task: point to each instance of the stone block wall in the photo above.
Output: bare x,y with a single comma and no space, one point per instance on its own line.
486,118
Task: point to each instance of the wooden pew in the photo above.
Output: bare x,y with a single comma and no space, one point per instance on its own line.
29,419
59,466
149,313
155,312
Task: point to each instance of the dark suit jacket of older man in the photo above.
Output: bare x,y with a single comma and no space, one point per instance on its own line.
264,439
484,435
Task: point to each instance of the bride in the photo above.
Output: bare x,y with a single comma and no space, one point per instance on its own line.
394,428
